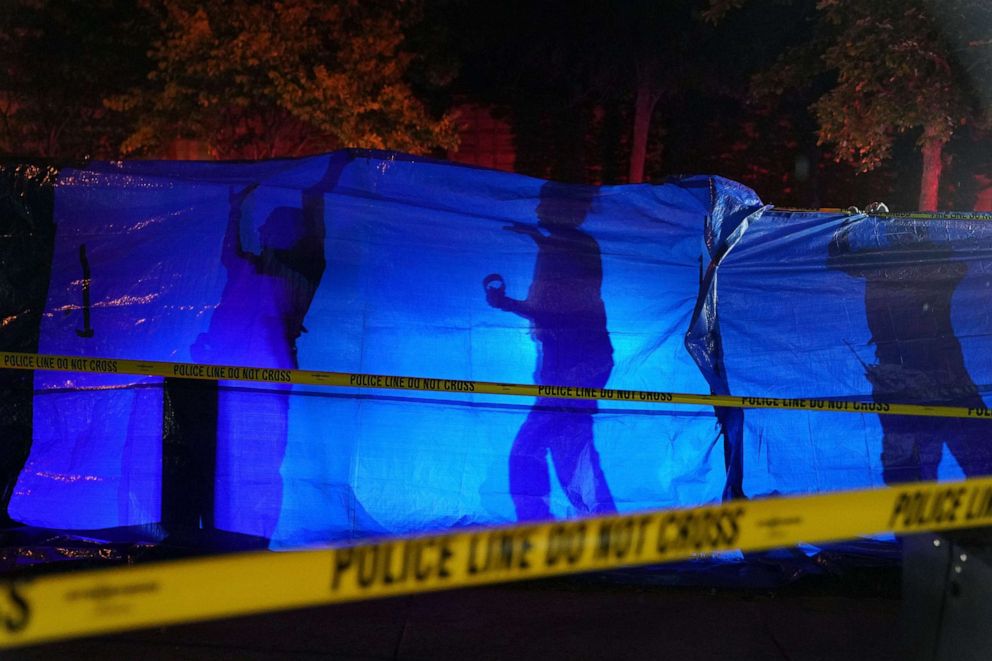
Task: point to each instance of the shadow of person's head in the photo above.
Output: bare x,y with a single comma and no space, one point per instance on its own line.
564,206
282,229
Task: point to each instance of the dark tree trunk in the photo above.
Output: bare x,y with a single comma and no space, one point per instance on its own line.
644,103
933,150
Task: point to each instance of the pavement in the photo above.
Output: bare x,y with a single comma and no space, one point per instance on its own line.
602,616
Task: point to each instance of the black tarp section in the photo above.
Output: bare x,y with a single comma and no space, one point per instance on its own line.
27,234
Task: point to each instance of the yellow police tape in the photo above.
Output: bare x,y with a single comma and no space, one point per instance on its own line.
30,361
934,215
100,601
914,215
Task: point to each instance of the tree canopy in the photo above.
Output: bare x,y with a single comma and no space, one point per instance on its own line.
61,59
895,67
595,91
289,77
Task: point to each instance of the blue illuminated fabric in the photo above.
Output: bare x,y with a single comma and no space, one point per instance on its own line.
377,263
855,307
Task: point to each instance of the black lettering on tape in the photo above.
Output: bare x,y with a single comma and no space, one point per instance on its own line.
389,576
648,396
395,382
420,559
18,361
920,508
102,365
898,509
368,560
871,407
365,380
452,385
699,530
500,551
476,565
621,540
14,608
566,543
979,504
444,556
343,558
187,370
526,546
421,568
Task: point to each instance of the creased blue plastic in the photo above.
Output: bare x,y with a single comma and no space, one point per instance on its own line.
406,245
799,297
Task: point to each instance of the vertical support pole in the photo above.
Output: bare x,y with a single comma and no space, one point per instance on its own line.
189,454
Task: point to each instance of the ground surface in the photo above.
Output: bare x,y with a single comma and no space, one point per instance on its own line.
592,617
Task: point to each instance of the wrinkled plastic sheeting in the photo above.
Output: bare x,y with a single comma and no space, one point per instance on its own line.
369,262
26,237
855,307
27,550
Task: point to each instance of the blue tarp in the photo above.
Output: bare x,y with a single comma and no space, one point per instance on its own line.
379,263
855,307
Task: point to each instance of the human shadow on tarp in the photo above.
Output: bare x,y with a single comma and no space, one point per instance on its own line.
230,477
909,285
565,308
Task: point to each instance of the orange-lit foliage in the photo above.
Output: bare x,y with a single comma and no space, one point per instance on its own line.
261,79
896,67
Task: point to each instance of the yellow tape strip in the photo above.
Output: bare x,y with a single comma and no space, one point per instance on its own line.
913,215
936,215
30,361
93,602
